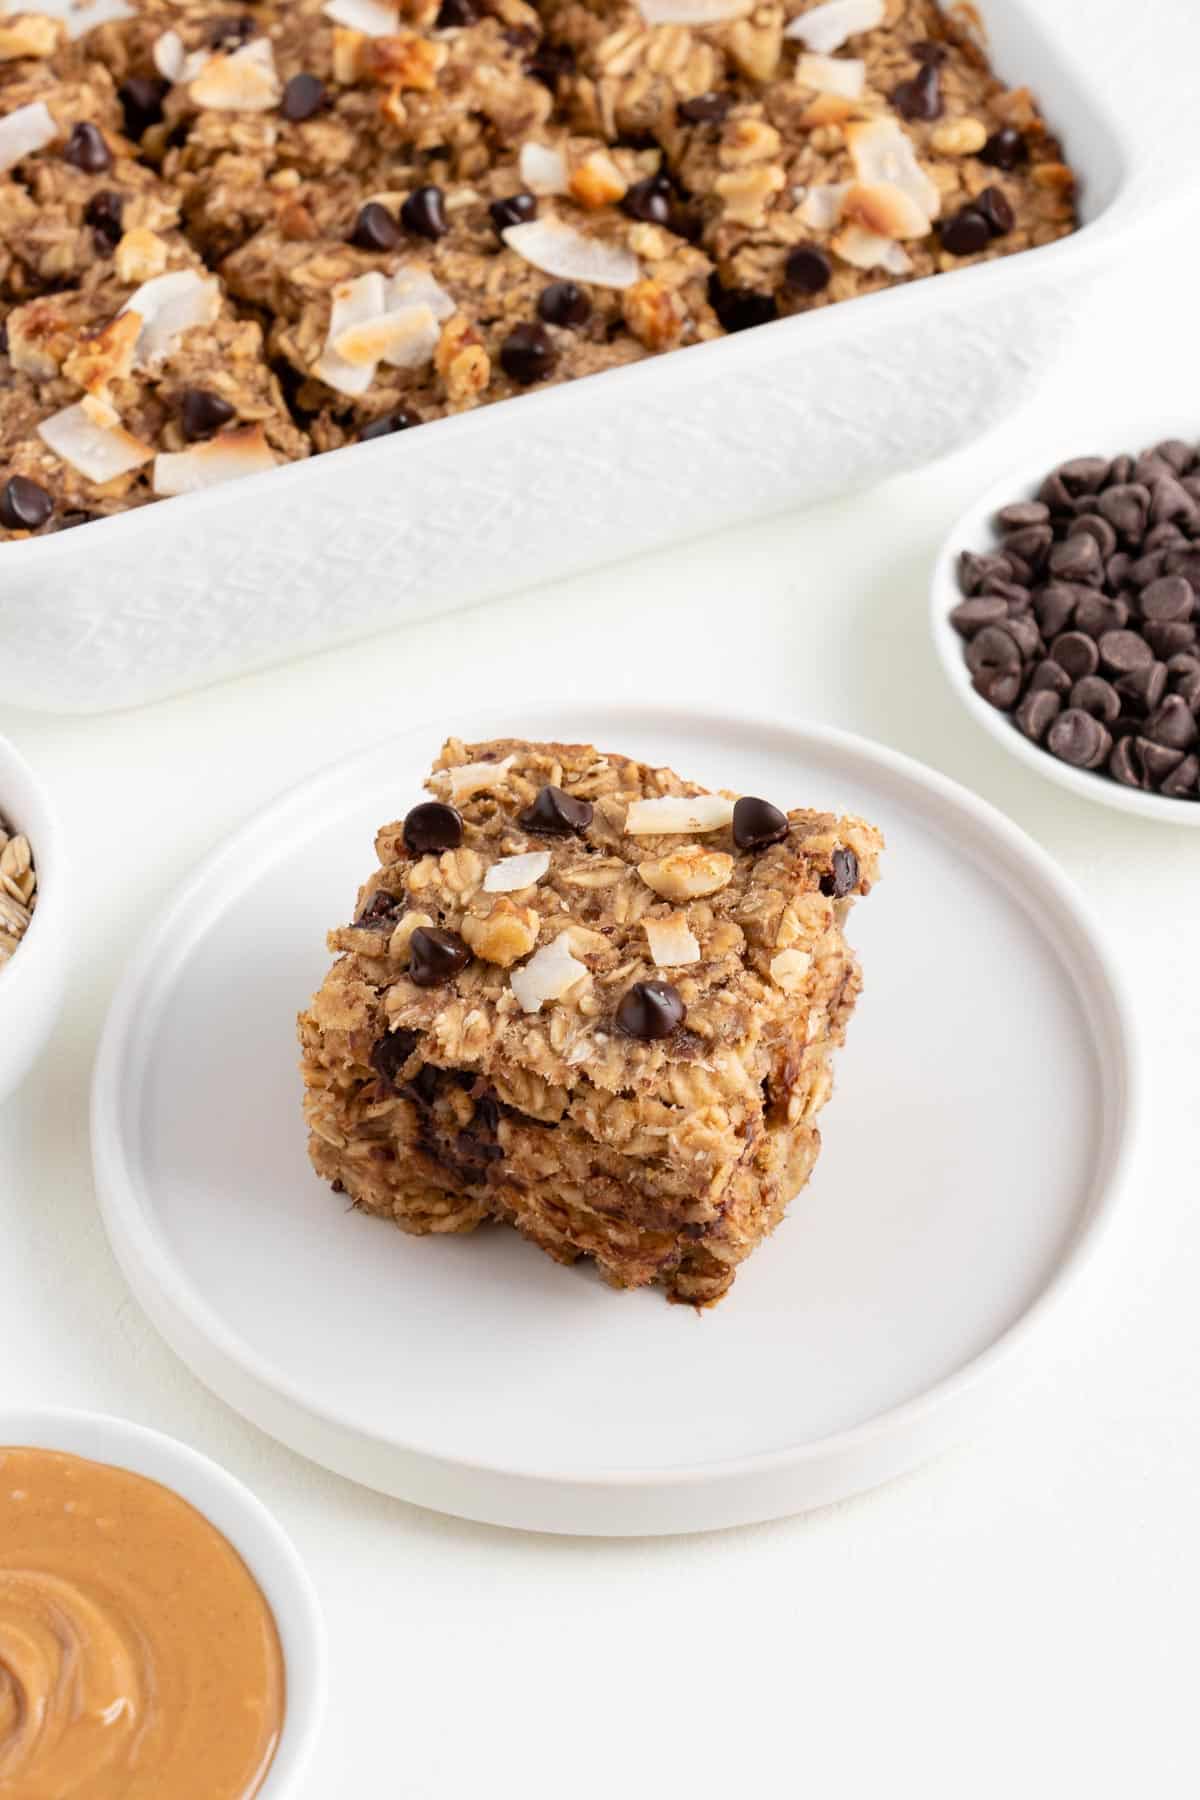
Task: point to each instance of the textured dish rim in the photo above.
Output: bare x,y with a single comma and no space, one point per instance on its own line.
103,1437
1112,1028
972,531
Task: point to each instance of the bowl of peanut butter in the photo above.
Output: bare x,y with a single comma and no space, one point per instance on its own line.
159,1635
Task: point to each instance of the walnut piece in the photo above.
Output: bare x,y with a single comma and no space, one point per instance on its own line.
687,873
503,935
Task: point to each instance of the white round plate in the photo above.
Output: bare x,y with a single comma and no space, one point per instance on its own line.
973,1155
973,531
258,1538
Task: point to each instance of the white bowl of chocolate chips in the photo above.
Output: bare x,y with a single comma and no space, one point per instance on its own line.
1066,612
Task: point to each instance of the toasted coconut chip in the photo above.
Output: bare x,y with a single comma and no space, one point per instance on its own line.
22,132
883,155
543,169
843,75
412,285
168,305
672,941
99,452
694,12
550,973
565,253
367,16
244,451
827,27
173,61
867,250
512,873
821,206
887,210
100,411
790,968
477,778
407,339
244,80
354,303
678,812
78,16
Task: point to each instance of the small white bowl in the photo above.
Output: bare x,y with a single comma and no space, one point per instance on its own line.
973,531
34,979
261,1543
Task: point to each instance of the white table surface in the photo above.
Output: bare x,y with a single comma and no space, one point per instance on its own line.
1018,1618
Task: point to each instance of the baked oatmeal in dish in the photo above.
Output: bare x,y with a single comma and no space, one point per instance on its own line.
589,999
405,210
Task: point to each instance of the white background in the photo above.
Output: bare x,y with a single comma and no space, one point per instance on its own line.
1020,1618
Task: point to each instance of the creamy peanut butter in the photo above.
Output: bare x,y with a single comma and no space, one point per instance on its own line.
139,1659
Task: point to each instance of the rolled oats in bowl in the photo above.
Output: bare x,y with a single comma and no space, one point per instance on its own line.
18,889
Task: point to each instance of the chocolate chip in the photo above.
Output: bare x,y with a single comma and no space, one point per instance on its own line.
1078,558
424,213
994,204
1145,569
1094,526
650,1009
1085,474
303,98
970,616
1077,653
87,149
564,303
1092,694
920,97
965,233
103,213
842,877
24,504
550,64
1170,598
403,418
1055,608
1173,724
1049,677
1126,507
455,14
1076,738
993,651
1000,688
528,354
515,209
1144,687
376,228
1125,764
1098,613
1158,760
142,103
649,200
1030,542
391,1053
1169,639
231,32
974,570
1005,149
1184,779
1015,596
1124,651
740,309
1037,713
928,50
434,956
807,270
202,412
756,823
1188,687
382,908
705,109
431,828
557,813
1021,514
1024,633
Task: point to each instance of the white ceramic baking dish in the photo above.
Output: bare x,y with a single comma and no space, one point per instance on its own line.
175,595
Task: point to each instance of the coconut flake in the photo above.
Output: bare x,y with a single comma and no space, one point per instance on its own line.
244,451
415,286
789,969
478,778
678,812
672,941
821,206
168,305
843,75
867,250
354,303
242,80
543,169
512,873
407,339
173,62
368,16
550,973
99,452
22,132
884,156
827,27
886,210
77,18
559,250
694,12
